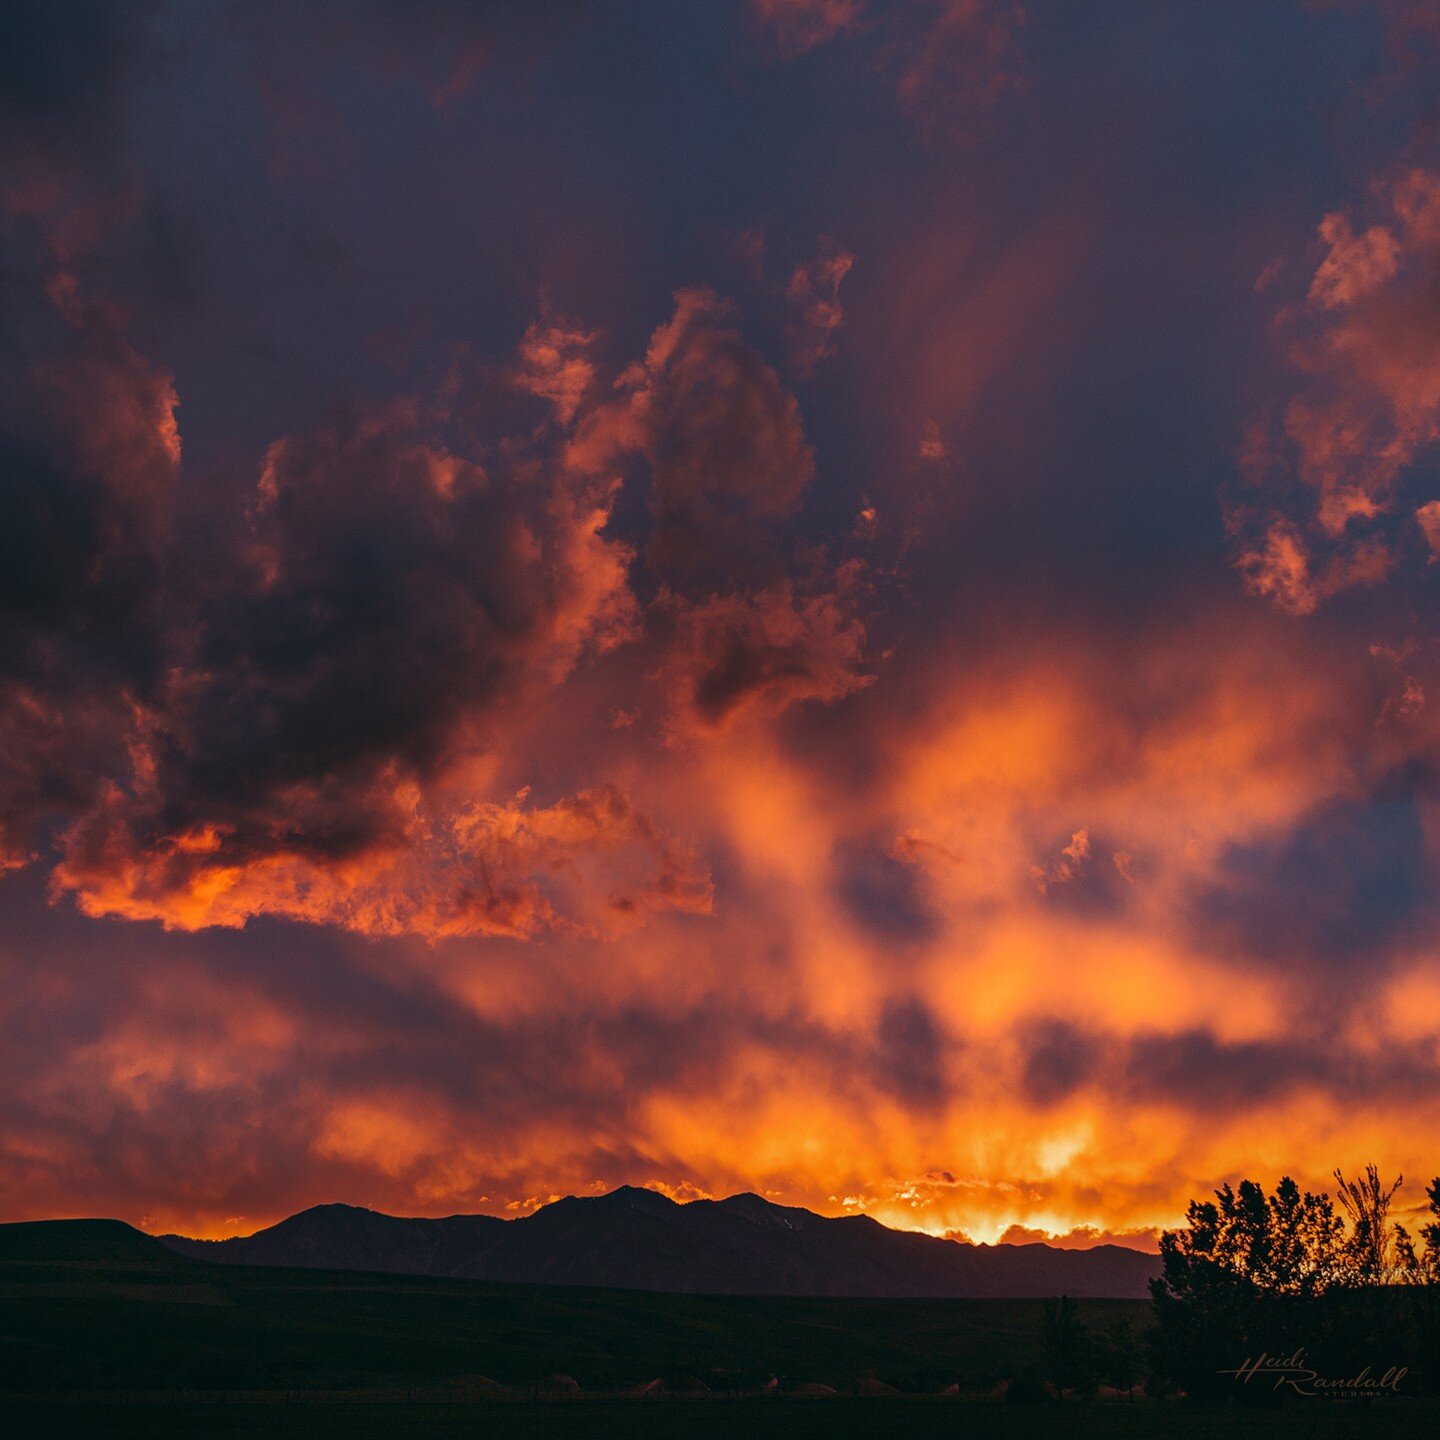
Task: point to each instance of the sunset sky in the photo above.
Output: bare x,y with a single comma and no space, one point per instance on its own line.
828,597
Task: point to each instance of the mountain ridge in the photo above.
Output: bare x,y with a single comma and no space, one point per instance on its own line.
80,1239
635,1238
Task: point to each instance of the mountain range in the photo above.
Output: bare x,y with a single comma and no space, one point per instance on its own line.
641,1240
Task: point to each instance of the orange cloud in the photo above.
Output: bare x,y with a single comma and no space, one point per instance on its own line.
1427,516
328,740
1367,408
556,365
248,793
590,863
594,814
881,1009
722,437
762,652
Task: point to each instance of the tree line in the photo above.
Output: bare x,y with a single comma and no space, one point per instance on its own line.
1269,1296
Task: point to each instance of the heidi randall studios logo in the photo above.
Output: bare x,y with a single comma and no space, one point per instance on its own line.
1295,1373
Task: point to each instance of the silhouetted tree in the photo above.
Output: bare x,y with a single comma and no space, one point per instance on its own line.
1255,1275
1363,1319
1420,1269
1121,1363
1239,1280
1371,1249
1302,1251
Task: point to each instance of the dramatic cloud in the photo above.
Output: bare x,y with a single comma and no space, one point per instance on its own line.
765,651
394,599
507,690
723,438
91,453
590,863
1341,449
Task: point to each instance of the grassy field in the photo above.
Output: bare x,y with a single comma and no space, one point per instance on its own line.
106,1346
184,1326
837,1419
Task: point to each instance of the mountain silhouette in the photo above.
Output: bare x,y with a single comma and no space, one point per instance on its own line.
52,1241
641,1240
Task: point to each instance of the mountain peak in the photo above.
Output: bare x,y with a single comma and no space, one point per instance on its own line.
637,1197
760,1211
637,1238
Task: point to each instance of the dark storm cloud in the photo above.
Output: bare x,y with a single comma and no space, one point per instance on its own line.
910,1060
1340,889
883,892
89,456
88,448
395,588
65,76
1199,1069
1058,1059
724,442
393,609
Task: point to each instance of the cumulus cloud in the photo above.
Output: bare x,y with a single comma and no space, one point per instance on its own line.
312,726
91,452
763,651
723,439
1427,516
590,864
1355,265
1279,569
1329,470
556,365
395,597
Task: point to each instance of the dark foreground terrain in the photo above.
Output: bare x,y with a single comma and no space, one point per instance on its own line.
836,1419
614,1419
89,1306
105,1334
